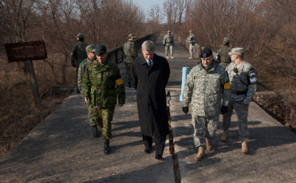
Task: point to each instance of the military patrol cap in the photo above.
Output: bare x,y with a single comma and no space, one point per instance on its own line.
90,48
206,53
101,50
169,31
132,35
226,40
236,51
190,31
148,45
80,35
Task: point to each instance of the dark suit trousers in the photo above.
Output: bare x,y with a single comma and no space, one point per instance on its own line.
159,143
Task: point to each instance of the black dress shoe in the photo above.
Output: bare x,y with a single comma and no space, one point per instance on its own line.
129,84
148,150
96,132
159,157
106,147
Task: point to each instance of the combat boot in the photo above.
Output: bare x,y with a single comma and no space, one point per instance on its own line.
106,146
201,153
245,147
96,132
129,84
208,144
224,136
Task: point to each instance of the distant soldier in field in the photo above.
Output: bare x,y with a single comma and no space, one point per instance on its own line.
204,85
191,40
91,57
222,56
78,54
168,43
243,80
102,88
130,52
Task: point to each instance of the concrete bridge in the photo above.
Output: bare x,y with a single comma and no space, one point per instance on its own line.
62,149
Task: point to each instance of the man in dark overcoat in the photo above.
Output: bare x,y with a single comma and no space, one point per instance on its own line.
150,74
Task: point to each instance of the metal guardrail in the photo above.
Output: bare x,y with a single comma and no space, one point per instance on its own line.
116,55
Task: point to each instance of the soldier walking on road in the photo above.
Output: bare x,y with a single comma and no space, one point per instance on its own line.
130,52
78,54
150,75
191,40
243,87
101,86
222,56
168,43
205,83
91,57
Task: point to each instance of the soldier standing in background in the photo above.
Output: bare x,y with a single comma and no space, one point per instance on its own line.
191,40
101,86
168,43
243,87
130,52
91,57
222,56
204,85
78,54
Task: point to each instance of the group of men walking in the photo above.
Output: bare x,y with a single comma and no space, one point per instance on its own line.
208,83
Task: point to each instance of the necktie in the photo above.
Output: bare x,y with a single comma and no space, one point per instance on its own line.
149,63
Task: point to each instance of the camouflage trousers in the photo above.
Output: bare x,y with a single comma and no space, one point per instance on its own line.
167,49
92,122
204,127
128,63
242,115
103,118
191,49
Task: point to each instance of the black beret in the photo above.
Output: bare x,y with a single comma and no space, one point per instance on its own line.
101,50
206,53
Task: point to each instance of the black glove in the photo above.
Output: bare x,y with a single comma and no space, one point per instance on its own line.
224,109
185,110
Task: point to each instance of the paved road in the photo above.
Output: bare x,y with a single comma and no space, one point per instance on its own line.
62,149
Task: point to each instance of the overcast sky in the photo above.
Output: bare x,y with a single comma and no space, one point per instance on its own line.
145,5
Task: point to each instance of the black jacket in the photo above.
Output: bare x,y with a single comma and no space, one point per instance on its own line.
150,84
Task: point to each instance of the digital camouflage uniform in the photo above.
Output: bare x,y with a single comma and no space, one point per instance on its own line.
243,88
81,70
168,42
203,89
78,55
191,40
103,85
222,56
130,52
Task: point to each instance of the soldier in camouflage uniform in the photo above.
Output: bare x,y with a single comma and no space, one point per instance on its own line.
78,54
222,56
204,85
168,43
243,87
191,40
101,87
130,52
91,57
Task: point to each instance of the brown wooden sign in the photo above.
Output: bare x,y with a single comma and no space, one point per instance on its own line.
19,52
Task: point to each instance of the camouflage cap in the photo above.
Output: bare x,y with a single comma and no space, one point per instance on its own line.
236,51
226,40
206,52
132,35
169,31
80,35
190,31
101,50
148,45
90,48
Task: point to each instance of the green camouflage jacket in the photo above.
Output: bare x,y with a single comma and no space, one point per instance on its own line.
102,83
203,89
78,53
244,80
81,70
222,56
130,51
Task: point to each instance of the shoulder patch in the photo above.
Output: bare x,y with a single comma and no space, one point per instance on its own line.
252,76
119,81
227,86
